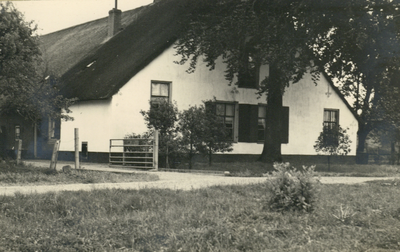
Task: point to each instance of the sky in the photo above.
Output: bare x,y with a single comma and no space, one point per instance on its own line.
55,15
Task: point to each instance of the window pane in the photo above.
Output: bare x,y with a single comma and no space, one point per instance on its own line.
261,123
262,111
160,89
229,122
333,116
220,109
326,115
155,89
230,110
164,89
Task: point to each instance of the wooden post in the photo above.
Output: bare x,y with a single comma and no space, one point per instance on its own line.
155,150
54,156
76,148
19,150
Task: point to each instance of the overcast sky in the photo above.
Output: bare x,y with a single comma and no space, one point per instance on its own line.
54,15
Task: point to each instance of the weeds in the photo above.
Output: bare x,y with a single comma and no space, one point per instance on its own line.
293,190
344,214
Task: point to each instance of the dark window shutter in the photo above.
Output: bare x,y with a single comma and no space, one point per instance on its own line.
244,126
57,128
248,122
285,125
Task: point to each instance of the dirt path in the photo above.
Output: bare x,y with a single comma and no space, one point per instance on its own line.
168,180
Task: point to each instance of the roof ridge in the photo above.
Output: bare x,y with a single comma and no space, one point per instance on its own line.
93,21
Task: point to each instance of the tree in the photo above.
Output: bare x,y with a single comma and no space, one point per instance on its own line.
333,141
204,132
26,87
247,35
362,52
191,126
215,136
163,116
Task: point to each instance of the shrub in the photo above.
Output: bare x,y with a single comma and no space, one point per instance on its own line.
333,141
293,190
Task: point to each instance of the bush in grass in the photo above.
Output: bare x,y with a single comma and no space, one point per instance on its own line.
292,189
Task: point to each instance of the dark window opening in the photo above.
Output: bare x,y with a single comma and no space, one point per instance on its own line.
84,150
249,71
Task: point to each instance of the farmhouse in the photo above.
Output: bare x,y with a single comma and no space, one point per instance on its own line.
114,66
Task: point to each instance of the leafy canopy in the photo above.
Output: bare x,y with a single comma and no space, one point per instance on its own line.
273,32
26,87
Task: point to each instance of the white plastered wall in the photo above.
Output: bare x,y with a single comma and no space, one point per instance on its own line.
100,121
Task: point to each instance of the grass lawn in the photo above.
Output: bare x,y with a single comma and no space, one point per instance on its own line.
229,218
254,169
12,175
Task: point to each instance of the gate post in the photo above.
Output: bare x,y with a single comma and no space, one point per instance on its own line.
155,150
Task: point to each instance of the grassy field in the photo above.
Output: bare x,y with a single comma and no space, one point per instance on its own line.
362,217
11,174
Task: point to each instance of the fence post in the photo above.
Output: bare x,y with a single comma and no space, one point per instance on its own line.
76,148
155,150
54,156
19,150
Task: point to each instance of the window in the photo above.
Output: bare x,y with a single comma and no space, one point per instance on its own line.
160,91
262,116
226,112
17,132
331,118
248,75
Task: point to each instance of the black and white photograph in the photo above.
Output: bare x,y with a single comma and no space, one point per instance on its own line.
200,125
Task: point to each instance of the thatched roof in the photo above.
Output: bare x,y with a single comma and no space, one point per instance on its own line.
92,67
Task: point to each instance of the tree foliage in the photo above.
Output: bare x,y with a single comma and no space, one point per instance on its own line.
191,126
362,51
26,87
204,132
333,141
355,41
163,116
270,32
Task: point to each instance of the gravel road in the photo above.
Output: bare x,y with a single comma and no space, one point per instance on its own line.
168,180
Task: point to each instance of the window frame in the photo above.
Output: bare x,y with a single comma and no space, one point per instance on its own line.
235,119
154,98
330,122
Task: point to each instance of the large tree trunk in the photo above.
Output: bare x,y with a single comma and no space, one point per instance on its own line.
272,143
361,156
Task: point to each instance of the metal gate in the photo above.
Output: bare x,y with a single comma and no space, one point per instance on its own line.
134,152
